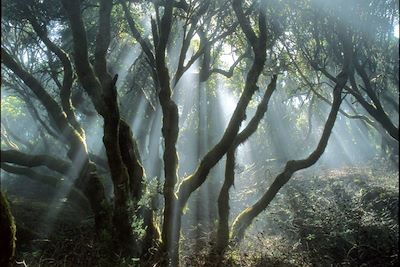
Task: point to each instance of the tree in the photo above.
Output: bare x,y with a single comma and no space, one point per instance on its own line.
65,69
367,85
7,230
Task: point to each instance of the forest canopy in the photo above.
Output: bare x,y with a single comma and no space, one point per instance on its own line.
195,133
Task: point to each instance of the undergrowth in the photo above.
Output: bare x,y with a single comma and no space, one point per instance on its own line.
342,217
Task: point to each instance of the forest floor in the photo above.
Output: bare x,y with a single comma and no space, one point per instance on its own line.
332,217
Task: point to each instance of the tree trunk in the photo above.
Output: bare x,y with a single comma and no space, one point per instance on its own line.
223,204
77,147
119,172
121,195
91,185
130,156
170,130
129,153
194,181
245,218
7,233
223,199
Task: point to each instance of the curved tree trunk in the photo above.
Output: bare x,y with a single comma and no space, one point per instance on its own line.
170,130
78,153
100,87
223,199
376,112
245,218
194,181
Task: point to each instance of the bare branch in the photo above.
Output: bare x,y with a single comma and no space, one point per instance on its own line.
202,50
229,73
74,194
377,114
244,23
31,174
261,110
84,69
244,219
65,93
20,158
320,96
47,101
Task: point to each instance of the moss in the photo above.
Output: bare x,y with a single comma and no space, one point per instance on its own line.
7,232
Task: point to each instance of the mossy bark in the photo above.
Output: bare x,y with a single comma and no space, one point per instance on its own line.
223,204
7,232
75,140
223,199
100,87
131,159
375,110
245,218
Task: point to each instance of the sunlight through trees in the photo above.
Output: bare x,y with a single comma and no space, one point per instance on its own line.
199,133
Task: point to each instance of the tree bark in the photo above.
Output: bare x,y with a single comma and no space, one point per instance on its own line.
137,188
245,218
7,233
223,204
77,146
194,181
376,113
170,130
223,199
20,158
101,89
119,171
75,195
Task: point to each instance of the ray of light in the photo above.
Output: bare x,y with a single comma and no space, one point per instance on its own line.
186,95
129,55
396,31
139,116
151,162
60,197
93,137
226,100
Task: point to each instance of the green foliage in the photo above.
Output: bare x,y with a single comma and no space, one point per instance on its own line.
136,220
12,107
138,227
331,220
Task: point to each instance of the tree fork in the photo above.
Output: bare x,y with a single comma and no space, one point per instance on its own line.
245,218
223,199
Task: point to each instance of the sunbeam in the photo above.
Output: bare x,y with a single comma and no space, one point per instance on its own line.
60,197
199,133
128,56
